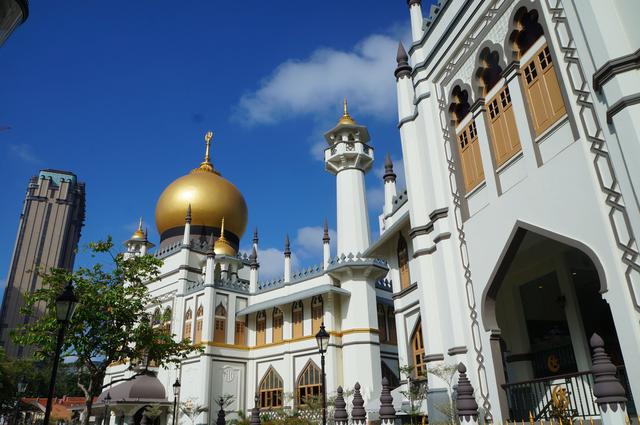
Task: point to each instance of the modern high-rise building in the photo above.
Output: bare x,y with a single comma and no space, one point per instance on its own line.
48,234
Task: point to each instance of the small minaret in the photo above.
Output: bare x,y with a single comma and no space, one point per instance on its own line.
253,274
255,238
287,259
415,10
210,267
326,245
138,244
349,157
390,190
186,238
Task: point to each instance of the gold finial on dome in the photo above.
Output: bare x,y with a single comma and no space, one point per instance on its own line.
206,164
222,245
346,118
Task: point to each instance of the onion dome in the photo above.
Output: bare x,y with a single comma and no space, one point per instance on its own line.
346,118
139,234
222,245
211,197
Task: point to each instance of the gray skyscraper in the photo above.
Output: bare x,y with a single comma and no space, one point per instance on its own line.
48,234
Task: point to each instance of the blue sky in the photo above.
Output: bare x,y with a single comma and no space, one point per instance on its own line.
122,92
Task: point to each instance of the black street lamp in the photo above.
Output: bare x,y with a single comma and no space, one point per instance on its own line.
107,402
322,338
65,306
21,387
176,393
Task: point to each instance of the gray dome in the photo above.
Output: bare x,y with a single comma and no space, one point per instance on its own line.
141,388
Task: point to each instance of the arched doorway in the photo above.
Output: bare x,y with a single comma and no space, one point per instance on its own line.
542,305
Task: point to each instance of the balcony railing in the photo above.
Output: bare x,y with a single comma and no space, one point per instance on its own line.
536,396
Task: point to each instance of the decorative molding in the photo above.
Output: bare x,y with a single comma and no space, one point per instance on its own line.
613,67
407,307
425,251
405,291
457,350
410,118
433,357
632,99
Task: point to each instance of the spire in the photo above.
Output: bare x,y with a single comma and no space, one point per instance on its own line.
255,236
222,230
187,218
139,234
325,233
412,2
206,164
389,175
211,252
140,224
402,59
346,118
253,258
287,246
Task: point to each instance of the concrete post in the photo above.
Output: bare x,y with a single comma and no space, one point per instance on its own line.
609,392
465,401
340,416
358,414
387,412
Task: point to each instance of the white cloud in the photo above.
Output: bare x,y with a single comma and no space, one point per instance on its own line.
272,263
24,152
308,241
317,84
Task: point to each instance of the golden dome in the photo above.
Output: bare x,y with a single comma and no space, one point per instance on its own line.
346,118
222,246
138,235
211,196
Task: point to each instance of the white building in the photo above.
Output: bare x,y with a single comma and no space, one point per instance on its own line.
514,241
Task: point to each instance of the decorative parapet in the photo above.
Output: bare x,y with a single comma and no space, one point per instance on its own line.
356,259
237,285
385,285
168,250
194,286
399,200
299,276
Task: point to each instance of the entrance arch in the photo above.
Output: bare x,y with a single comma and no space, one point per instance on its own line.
541,305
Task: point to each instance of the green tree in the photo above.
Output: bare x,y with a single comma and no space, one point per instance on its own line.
111,322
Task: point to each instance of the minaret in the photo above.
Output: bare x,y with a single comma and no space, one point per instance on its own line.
349,157
186,237
326,245
415,10
253,274
255,238
390,190
138,244
210,265
287,259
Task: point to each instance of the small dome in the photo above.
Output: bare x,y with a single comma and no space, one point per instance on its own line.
222,245
143,388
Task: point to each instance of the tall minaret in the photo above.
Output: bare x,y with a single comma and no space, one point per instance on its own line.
349,157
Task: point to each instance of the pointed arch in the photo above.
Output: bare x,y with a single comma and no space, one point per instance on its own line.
220,324
186,329
382,323
277,320
392,334
317,313
403,262
199,322
417,351
241,334
166,319
156,318
297,319
271,389
261,328
308,384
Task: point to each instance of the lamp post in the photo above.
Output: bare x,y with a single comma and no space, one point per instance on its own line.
65,306
176,393
107,402
21,387
322,339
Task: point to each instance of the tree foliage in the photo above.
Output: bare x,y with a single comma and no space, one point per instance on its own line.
111,323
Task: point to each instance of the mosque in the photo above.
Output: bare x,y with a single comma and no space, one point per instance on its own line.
513,242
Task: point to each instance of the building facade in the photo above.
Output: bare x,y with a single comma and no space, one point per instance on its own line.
48,233
513,242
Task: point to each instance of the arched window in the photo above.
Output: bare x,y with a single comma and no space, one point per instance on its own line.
186,330
297,319
417,349
391,324
156,318
308,384
278,322
217,273
261,328
240,336
317,314
466,139
542,88
220,324
271,390
166,320
500,117
199,321
382,323
403,263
